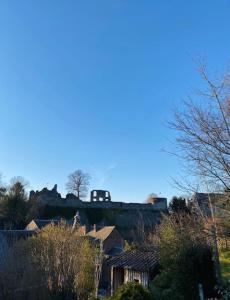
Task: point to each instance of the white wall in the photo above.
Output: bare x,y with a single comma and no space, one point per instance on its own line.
132,275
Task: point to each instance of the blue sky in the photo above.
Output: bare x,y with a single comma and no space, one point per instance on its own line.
91,84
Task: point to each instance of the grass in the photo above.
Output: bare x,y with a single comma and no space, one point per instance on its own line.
225,264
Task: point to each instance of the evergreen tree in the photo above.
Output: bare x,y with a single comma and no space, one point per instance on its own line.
13,207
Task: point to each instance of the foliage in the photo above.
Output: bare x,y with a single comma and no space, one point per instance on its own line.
163,287
2,189
224,292
57,261
178,204
225,264
94,216
35,209
13,206
70,257
132,291
130,246
185,258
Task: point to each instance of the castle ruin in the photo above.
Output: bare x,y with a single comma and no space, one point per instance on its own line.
98,199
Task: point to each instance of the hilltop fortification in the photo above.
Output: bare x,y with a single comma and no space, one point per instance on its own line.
99,199
127,217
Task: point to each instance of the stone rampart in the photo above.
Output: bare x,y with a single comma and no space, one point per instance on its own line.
53,198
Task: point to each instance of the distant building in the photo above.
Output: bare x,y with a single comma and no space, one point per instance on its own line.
38,224
100,195
201,204
133,266
98,199
101,209
112,244
108,235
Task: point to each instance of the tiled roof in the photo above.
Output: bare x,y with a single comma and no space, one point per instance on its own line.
11,236
18,233
41,223
136,260
102,233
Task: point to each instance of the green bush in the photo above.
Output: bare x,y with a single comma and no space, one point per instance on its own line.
185,259
132,291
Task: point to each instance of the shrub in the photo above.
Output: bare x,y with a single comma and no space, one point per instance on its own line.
185,258
132,291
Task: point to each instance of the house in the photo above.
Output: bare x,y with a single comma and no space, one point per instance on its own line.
133,266
108,237
9,237
111,239
219,203
112,244
38,224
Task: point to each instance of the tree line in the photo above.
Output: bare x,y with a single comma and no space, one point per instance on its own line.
16,209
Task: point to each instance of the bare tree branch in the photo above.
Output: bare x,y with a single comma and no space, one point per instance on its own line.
203,127
78,183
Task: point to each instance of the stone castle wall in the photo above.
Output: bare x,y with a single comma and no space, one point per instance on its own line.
53,198
127,217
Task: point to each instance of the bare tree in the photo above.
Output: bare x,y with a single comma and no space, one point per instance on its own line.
19,179
203,129
203,141
78,183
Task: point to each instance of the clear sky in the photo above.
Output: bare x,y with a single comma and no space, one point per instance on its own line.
90,84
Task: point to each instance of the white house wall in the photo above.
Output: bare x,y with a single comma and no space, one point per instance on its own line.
132,275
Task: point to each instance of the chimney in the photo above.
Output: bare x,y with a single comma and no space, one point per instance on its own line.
84,229
95,227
